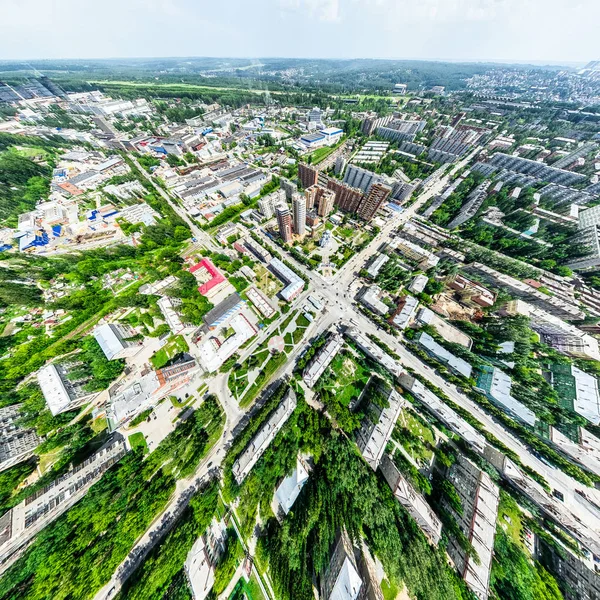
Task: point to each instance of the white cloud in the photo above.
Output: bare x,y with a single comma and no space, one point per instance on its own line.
321,10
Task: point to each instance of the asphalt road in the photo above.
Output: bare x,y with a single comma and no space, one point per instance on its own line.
339,307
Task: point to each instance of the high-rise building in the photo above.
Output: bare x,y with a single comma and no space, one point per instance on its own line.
341,578
308,175
315,118
266,207
289,187
326,202
347,198
361,178
284,222
370,205
299,210
340,165
313,193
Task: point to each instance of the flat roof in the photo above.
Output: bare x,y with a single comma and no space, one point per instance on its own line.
215,275
53,387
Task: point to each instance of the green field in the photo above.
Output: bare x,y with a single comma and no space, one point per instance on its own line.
347,378
415,437
321,154
176,345
137,440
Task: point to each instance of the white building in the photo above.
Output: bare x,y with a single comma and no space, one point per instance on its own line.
213,351
405,312
60,394
376,428
114,339
289,489
412,501
203,557
316,367
295,284
417,285
371,298
299,214
265,435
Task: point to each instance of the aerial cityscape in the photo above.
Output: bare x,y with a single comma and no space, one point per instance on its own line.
299,328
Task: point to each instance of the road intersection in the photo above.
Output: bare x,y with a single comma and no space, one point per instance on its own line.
339,308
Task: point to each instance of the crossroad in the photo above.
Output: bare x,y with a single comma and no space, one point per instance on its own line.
339,307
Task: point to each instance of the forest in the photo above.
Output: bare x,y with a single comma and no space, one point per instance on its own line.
76,554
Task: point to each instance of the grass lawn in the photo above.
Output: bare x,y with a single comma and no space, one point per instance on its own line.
508,509
264,377
298,334
137,440
349,378
237,383
32,151
266,283
250,590
48,459
346,232
389,589
418,435
175,401
176,345
99,424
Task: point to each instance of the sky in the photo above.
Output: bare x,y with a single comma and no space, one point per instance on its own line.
551,31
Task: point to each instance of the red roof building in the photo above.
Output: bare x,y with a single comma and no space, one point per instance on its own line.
215,276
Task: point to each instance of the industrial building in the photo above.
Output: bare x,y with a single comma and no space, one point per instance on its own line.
265,435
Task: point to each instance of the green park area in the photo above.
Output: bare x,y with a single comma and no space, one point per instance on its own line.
176,345
416,437
137,440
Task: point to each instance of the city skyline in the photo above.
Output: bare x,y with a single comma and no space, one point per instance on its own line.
461,30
